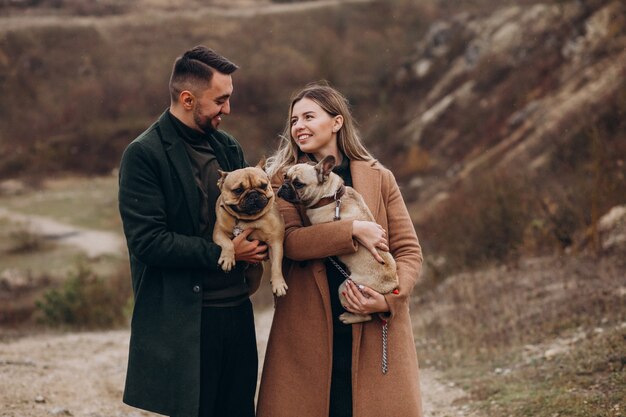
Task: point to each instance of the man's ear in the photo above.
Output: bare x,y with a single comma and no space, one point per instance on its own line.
186,99
220,181
324,167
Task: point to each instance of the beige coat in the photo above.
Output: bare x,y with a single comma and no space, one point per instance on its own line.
297,370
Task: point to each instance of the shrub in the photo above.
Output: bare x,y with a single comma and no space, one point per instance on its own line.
24,240
86,300
482,222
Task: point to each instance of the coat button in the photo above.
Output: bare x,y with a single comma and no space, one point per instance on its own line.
196,288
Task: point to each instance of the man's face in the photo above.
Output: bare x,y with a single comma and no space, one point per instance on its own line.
213,102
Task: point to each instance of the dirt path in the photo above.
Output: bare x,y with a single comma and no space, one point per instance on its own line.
93,242
82,374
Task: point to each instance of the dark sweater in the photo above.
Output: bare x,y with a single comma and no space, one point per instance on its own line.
220,289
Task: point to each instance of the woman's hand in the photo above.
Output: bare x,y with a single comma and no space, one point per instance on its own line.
251,251
363,300
372,236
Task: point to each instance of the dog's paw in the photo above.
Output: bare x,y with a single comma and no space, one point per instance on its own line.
279,287
226,261
351,318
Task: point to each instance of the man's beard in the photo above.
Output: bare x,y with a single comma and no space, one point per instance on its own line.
206,125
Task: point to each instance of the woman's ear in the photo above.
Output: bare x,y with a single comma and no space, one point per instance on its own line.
337,123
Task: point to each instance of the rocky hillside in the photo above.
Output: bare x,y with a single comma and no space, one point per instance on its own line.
531,97
512,110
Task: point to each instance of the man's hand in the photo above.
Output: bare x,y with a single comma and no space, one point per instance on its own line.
252,251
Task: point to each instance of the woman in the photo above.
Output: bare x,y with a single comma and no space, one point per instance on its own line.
315,366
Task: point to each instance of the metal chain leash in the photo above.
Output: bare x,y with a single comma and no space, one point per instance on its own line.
340,269
385,361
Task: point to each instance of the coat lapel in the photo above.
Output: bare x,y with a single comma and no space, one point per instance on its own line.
222,152
177,153
366,180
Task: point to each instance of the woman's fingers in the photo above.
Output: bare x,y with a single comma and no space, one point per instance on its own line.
364,300
376,255
355,301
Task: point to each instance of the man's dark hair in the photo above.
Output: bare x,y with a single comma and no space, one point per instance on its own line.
193,70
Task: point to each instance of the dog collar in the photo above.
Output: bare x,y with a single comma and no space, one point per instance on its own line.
336,198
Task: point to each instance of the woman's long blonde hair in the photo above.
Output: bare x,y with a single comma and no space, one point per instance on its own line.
332,102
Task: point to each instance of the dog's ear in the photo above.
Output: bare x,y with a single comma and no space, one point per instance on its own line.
324,167
261,163
220,181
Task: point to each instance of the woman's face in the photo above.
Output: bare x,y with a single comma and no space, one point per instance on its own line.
314,130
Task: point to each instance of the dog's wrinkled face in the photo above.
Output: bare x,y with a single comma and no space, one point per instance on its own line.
246,192
306,183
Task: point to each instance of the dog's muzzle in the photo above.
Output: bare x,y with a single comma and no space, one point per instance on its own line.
252,203
288,192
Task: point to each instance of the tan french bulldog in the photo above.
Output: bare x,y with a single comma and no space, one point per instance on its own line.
326,198
247,201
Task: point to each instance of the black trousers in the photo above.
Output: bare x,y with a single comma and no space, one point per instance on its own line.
341,379
229,361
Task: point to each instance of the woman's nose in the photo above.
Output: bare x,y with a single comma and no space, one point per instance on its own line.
298,125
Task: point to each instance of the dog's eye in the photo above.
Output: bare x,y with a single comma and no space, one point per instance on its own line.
238,190
263,186
297,184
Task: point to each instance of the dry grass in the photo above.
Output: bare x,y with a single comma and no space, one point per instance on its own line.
31,266
84,202
544,337
116,85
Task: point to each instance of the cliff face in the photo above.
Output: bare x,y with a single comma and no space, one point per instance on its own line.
510,91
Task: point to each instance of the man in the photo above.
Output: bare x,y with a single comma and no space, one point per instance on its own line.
193,345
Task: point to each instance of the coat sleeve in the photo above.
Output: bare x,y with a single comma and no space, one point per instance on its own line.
318,241
142,206
403,245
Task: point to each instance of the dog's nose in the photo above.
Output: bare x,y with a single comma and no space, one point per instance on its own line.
282,191
254,194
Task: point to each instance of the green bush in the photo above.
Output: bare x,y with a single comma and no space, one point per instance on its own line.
86,300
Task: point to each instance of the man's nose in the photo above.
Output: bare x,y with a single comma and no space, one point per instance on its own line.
226,107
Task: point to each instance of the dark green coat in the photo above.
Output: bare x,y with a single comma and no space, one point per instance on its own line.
159,205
